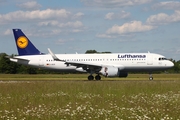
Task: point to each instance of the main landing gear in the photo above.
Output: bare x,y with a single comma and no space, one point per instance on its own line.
97,77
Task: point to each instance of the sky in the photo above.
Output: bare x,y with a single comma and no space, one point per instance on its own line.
70,26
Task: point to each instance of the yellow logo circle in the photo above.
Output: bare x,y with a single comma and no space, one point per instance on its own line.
22,42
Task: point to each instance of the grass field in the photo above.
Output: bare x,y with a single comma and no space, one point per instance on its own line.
71,96
76,77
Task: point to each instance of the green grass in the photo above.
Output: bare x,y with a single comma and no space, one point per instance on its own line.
84,77
73,97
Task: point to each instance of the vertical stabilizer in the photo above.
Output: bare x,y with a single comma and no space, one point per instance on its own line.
24,45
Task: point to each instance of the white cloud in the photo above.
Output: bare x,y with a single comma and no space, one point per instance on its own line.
49,23
174,5
8,32
56,31
109,16
76,24
134,26
104,36
24,16
76,30
31,5
68,27
62,41
78,15
163,18
121,15
114,3
57,21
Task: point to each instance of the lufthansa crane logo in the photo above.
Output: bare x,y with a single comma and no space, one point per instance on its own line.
22,42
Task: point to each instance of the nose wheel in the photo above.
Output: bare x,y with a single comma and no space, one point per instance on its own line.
150,76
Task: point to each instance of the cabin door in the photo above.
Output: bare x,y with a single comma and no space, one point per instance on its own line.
150,59
41,61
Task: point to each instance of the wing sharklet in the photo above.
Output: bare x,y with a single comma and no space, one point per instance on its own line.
54,56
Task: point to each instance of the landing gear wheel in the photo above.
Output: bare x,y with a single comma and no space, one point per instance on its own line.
90,77
150,78
98,77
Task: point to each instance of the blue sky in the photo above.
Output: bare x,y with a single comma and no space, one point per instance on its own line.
69,26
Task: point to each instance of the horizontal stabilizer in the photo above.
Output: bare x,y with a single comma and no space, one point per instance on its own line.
8,57
15,58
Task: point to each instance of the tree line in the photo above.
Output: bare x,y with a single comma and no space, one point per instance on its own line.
8,67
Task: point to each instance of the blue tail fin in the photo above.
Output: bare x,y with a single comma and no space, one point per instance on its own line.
24,45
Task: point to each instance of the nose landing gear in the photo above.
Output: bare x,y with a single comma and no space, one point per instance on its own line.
150,76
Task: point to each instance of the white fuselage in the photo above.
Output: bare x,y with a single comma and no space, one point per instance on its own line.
123,61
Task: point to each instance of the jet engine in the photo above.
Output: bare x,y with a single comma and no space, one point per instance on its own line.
113,72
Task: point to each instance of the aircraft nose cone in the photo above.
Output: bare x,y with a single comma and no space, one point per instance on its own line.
171,64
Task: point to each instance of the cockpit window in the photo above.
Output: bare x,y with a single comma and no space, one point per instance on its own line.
162,58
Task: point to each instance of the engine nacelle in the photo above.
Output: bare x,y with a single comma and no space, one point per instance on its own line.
80,69
112,72
123,74
109,71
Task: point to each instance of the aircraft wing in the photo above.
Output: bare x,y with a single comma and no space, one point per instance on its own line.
93,65
87,65
81,64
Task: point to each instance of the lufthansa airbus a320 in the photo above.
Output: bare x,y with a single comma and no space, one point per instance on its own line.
108,65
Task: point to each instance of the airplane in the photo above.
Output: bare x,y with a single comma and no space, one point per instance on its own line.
108,65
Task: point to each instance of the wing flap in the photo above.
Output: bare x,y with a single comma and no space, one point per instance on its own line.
81,64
